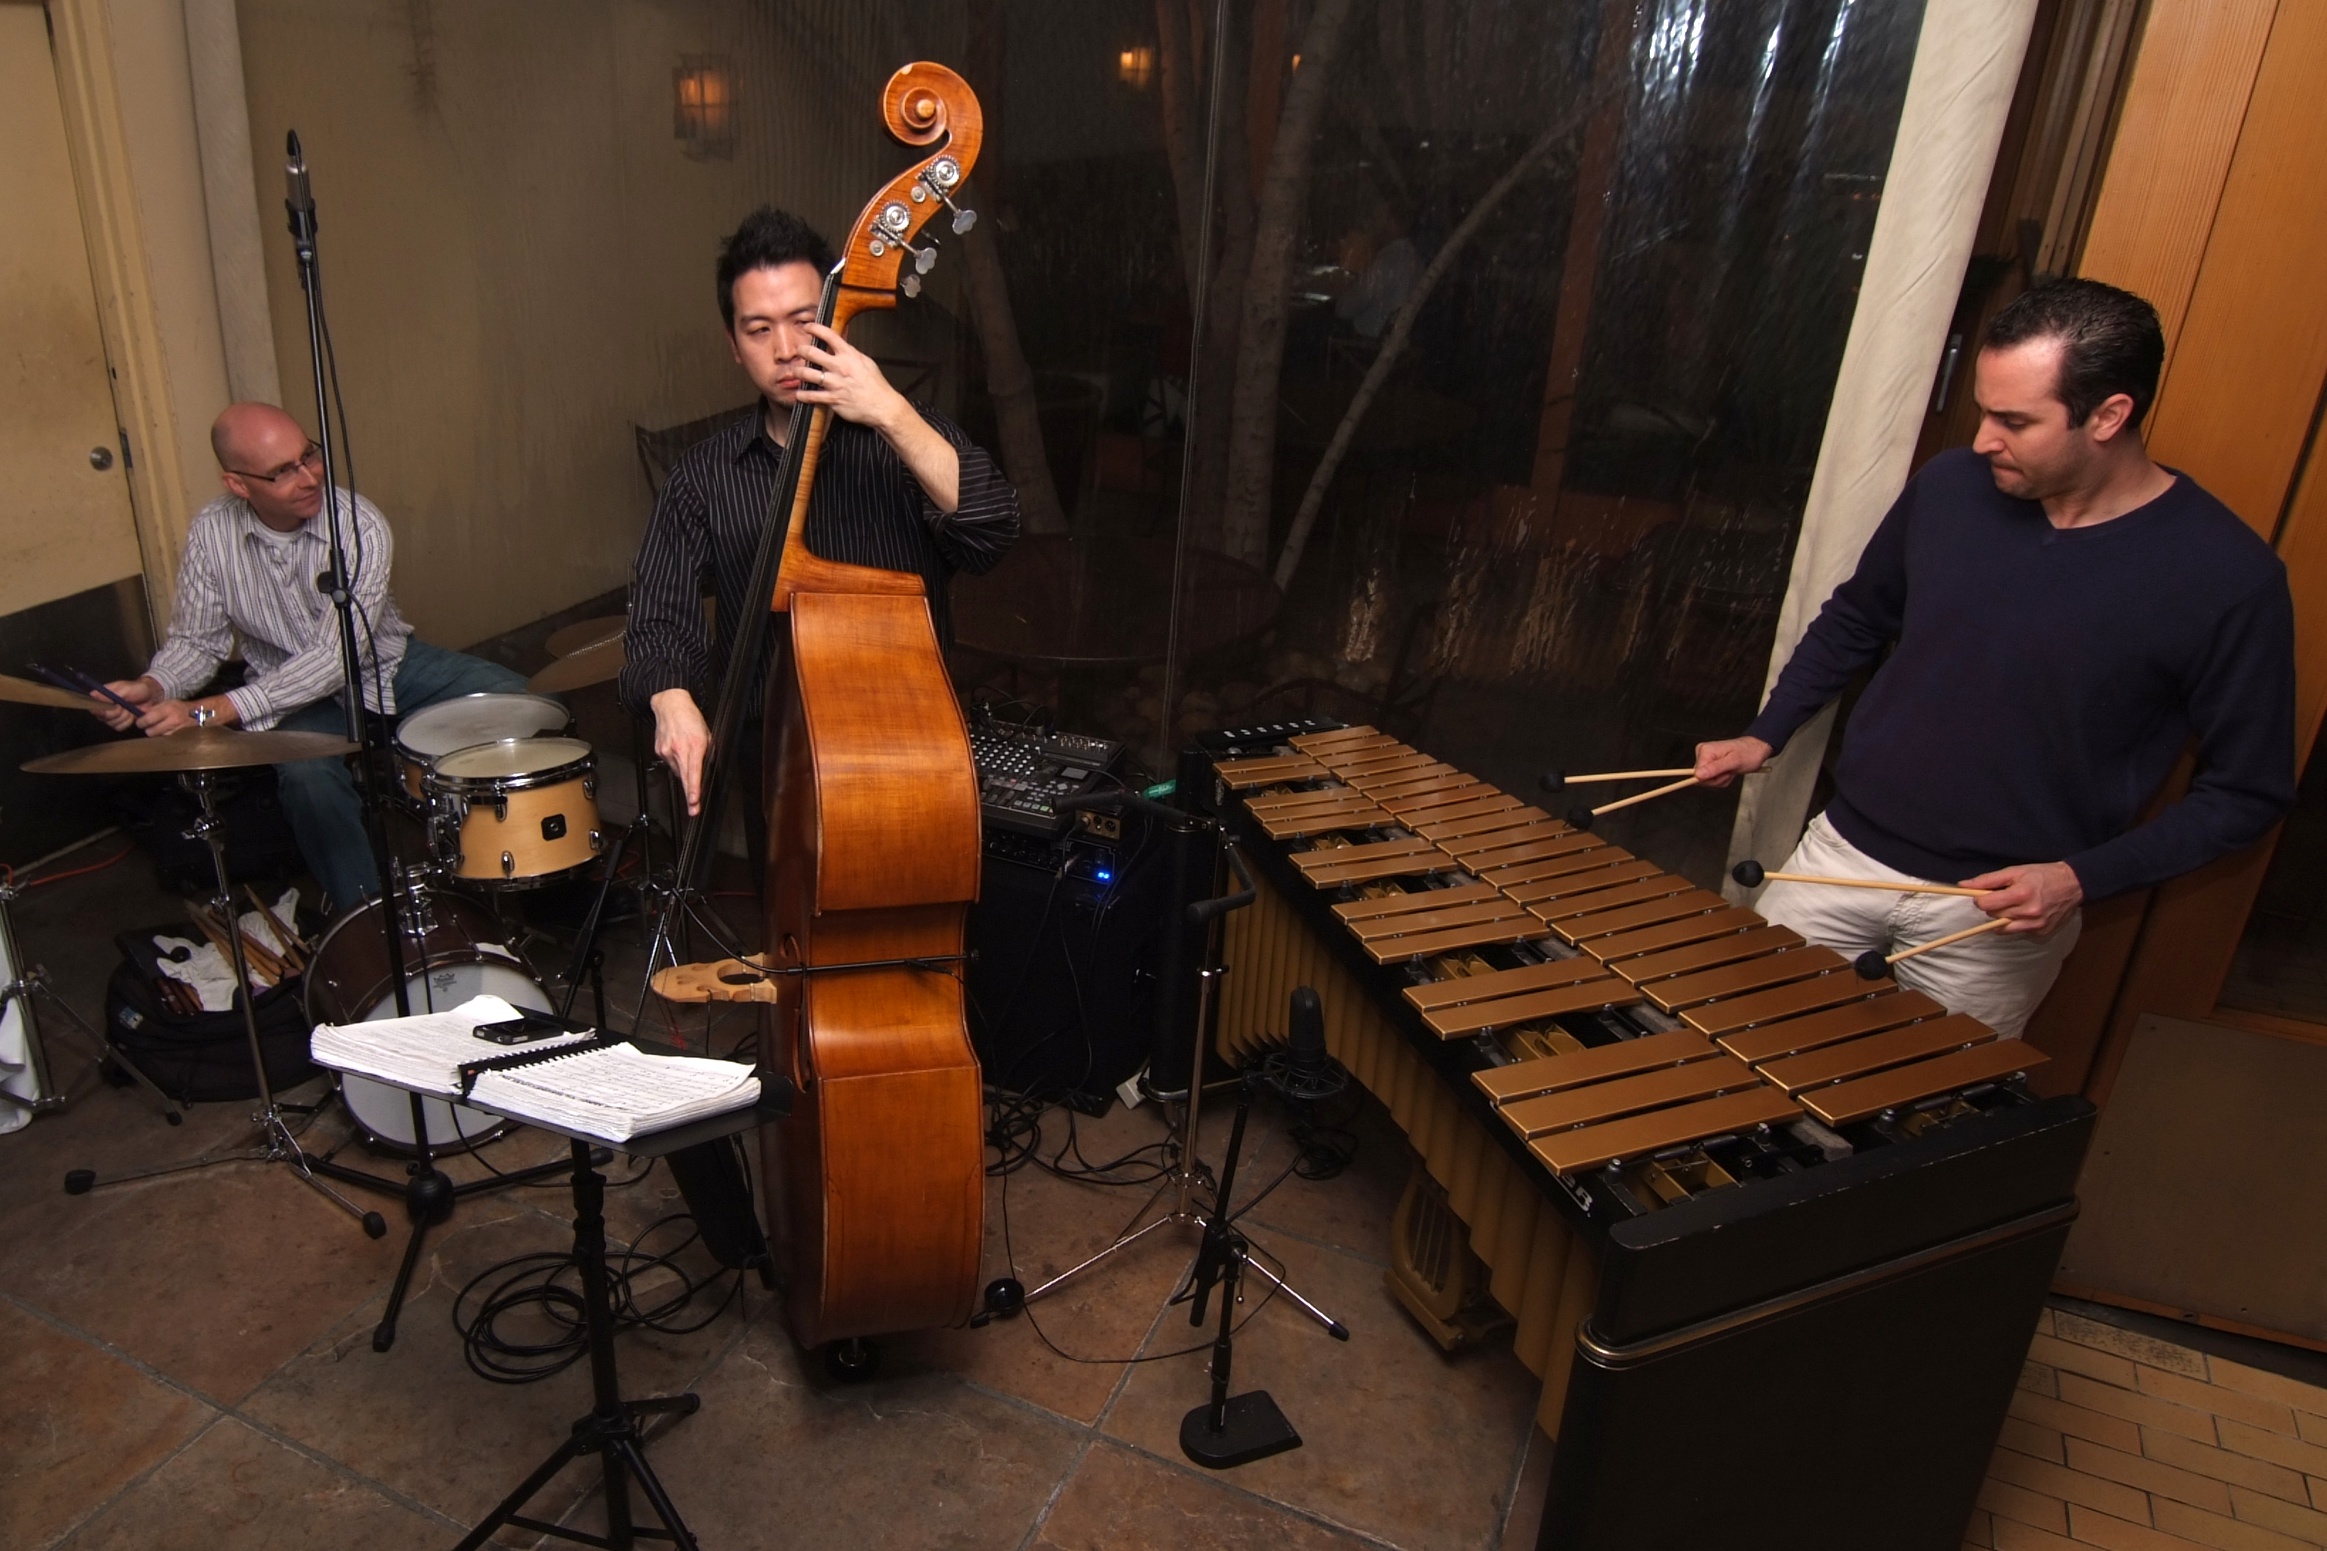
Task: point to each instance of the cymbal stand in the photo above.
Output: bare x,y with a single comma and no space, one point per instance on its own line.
25,988
1195,1201
275,1141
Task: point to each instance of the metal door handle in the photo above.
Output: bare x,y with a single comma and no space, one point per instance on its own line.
100,458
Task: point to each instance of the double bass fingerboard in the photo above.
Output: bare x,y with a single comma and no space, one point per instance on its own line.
1750,1026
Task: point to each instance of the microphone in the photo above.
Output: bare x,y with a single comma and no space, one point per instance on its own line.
1305,1047
299,197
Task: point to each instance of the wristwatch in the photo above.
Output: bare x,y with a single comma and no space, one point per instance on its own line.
203,715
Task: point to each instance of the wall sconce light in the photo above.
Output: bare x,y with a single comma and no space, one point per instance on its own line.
1135,67
703,105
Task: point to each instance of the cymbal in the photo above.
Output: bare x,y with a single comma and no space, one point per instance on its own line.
591,665
585,633
197,748
26,692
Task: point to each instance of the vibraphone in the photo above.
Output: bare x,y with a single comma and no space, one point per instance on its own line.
1692,1151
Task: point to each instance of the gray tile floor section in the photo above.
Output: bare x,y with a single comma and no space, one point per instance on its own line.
186,1361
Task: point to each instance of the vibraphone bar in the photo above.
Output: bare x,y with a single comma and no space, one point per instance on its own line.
1649,1107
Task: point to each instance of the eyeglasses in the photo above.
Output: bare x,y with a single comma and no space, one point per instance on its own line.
309,462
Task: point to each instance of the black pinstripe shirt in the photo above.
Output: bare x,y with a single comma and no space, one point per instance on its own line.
866,509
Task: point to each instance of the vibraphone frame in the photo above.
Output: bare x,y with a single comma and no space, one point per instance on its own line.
1823,1356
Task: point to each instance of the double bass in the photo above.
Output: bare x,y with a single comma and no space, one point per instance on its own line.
877,1179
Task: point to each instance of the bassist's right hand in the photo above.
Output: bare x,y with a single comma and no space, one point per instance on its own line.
681,740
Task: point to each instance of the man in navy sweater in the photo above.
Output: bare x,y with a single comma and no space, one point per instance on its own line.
2064,618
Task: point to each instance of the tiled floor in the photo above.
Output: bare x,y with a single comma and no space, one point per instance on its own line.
186,1362
2121,1440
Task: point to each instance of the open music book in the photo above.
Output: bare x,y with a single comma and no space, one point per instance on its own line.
609,1092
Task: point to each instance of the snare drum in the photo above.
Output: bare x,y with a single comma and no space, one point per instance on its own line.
451,953
517,812
463,722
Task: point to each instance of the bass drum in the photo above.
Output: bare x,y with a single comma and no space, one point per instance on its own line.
451,953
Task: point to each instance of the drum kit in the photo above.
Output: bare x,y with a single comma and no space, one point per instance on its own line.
502,797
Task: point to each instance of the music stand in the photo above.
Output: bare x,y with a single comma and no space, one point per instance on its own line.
611,1429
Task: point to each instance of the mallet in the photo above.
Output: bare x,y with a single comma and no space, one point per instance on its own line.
1874,964
1752,875
1582,817
1560,780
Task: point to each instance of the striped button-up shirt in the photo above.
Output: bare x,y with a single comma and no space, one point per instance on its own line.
866,509
242,579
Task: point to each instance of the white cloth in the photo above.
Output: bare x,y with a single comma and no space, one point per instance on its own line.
202,966
243,581
16,1074
1997,978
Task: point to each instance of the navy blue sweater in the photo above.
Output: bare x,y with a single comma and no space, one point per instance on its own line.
2045,681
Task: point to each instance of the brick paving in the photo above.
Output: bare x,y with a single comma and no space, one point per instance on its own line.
2120,1440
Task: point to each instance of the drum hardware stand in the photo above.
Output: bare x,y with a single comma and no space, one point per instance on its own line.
26,990
1196,1202
276,1142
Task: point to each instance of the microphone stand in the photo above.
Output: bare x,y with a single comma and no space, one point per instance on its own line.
428,1192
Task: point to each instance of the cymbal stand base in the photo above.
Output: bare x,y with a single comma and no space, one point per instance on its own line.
275,1141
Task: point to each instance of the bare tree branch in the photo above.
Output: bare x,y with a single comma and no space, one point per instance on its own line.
1252,428
1402,329
1183,144
1010,384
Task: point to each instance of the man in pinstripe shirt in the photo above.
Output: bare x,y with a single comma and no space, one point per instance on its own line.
250,572
897,487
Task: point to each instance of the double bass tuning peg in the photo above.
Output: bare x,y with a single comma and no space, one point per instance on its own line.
940,179
891,229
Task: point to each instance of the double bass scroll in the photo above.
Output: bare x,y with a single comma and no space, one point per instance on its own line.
879,1194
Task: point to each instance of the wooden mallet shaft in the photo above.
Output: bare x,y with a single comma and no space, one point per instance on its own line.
1753,875
1555,780
1872,965
1581,818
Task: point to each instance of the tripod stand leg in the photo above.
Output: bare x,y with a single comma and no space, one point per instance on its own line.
1123,1243
634,1459
506,1511
1333,1327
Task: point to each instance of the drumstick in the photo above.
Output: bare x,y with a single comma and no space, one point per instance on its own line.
82,684
1751,874
258,958
1581,818
1873,964
1555,780
294,953
201,918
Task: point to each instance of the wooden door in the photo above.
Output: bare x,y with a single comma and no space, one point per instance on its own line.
65,520
2198,1022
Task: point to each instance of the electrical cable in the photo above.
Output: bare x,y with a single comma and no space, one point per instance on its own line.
1010,1257
540,1284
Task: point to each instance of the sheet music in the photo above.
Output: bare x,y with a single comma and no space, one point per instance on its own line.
617,1092
424,1051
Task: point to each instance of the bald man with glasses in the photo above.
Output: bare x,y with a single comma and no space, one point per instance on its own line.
249,574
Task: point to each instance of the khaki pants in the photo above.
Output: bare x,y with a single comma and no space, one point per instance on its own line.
1998,978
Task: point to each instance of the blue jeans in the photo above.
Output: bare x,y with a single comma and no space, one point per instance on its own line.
319,795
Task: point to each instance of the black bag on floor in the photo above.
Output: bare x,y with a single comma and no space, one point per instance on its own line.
205,1057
